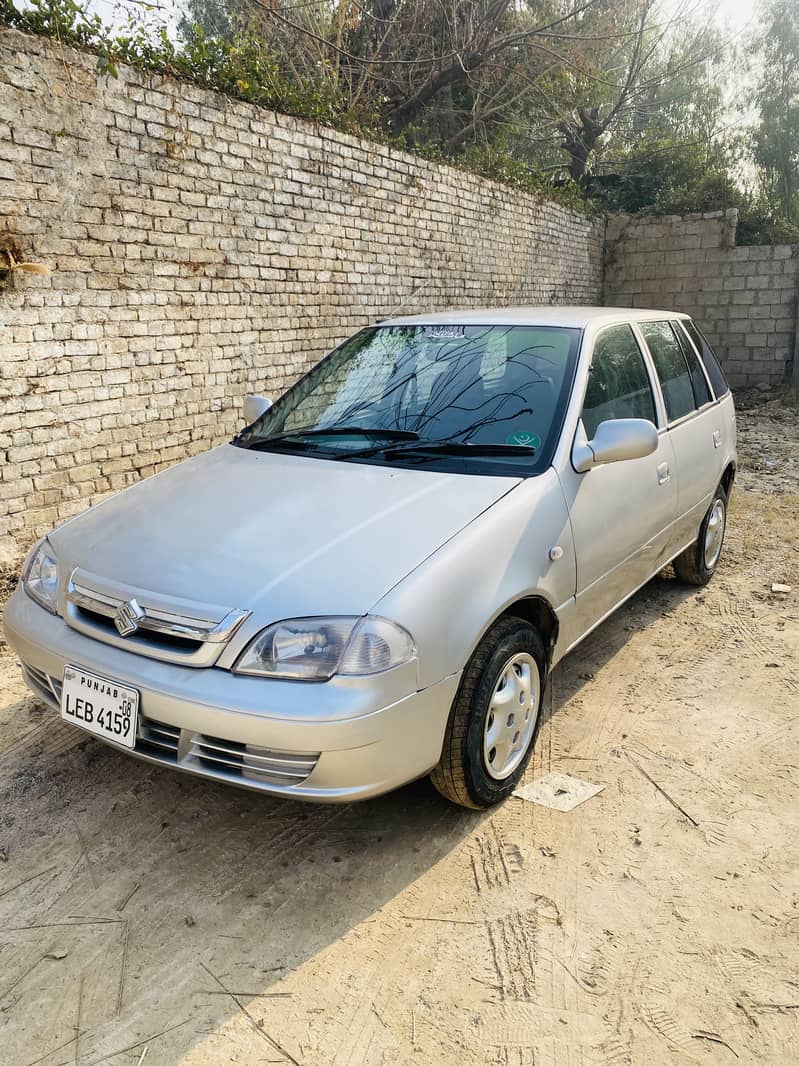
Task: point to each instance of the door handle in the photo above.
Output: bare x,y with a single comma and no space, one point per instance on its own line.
663,473
716,438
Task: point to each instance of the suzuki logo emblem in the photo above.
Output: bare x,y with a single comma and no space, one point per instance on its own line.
127,618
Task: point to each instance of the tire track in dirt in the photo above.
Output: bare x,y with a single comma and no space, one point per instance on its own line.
492,859
554,983
514,954
764,639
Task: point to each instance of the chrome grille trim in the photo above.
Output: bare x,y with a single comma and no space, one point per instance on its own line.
164,738
157,621
271,759
178,631
159,729
248,760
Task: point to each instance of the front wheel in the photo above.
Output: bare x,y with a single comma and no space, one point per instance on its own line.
697,564
495,717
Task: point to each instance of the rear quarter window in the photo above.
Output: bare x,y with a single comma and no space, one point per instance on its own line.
714,372
698,380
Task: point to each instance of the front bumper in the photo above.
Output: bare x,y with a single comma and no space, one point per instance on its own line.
358,737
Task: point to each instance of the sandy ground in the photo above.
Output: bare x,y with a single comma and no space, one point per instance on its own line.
149,917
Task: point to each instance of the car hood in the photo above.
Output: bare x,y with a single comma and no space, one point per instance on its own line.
282,535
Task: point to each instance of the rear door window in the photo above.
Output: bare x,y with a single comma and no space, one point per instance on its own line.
714,371
618,381
672,369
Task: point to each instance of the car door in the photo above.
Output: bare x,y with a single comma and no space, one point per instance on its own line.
622,512
693,425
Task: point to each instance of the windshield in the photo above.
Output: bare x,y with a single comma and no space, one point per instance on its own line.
489,395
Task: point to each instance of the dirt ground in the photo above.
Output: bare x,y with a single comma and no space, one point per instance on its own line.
150,917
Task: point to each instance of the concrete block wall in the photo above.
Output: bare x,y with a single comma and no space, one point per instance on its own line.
745,298
201,249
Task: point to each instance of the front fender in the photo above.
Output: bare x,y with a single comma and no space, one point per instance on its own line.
450,600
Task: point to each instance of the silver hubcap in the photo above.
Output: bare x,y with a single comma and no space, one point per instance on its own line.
511,716
714,534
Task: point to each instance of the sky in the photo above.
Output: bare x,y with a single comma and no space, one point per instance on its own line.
115,12
734,14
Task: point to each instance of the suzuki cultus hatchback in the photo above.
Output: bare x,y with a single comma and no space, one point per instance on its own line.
372,581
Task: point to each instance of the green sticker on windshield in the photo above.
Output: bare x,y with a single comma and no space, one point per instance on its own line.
525,439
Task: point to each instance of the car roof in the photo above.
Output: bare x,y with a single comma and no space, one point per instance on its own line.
545,315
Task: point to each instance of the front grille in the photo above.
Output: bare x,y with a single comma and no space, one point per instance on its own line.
250,762
179,631
158,740
164,640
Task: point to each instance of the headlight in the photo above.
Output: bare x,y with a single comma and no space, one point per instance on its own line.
40,576
314,649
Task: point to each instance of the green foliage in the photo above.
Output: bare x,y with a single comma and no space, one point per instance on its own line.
243,67
660,177
760,223
503,167
775,142
66,20
215,18
669,178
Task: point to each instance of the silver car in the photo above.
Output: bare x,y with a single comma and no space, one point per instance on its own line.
373,580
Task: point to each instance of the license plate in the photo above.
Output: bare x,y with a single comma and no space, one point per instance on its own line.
100,705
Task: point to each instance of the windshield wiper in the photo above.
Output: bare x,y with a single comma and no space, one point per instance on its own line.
404,443
435,448
334,431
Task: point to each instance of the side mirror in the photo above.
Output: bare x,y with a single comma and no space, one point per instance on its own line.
615,440
254,407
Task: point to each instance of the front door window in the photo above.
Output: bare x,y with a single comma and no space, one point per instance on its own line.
618,382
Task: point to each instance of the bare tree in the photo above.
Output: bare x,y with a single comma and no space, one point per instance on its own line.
547,76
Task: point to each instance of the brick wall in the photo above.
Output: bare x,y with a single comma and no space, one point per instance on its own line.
202,248
744,298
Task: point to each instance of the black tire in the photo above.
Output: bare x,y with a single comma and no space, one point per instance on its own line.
461,775
691,566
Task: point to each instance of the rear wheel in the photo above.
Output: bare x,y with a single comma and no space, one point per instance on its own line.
697,564
495,717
